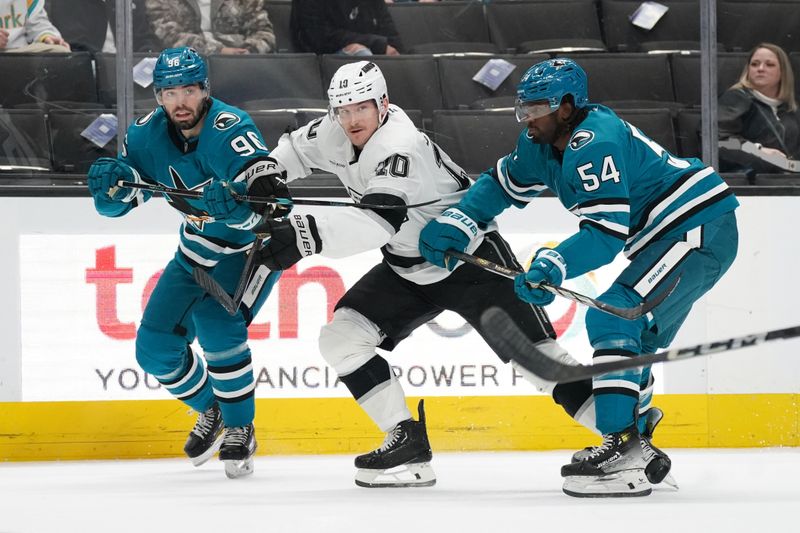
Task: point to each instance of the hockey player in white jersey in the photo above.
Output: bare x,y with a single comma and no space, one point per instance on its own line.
381,158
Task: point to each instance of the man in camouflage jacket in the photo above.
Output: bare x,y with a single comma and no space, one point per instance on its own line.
237,26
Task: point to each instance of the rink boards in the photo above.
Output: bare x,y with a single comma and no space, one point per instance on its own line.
73,294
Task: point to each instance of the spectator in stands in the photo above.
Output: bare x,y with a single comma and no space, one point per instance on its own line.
25,27
94,30
233,27
351,27
762,108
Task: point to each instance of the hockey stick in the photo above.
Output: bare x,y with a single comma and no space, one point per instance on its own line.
215,290
266,200
507,338
628,313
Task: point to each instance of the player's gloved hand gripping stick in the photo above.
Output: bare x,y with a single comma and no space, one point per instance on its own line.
628,313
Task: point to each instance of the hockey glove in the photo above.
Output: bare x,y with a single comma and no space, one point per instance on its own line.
220,204
291,239
273,185
453,229
103,176
548,266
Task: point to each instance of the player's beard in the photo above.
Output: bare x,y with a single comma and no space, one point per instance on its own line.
191,122
552,134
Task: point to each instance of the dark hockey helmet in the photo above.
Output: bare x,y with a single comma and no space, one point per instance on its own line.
179,66
549,81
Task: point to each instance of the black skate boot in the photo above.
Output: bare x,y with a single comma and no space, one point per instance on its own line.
658,462
405,451
613,469
206,436
237,450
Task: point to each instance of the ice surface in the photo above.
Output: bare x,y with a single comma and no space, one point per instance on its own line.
509,492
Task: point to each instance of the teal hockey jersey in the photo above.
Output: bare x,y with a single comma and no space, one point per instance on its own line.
229,148
624,187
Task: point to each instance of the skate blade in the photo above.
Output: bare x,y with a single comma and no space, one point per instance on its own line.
670,482
235,469
623,484
204,457
407,475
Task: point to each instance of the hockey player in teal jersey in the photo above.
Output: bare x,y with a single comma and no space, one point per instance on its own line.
671,217
195,142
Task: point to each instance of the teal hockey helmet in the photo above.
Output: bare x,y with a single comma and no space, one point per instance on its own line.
550,81
179,66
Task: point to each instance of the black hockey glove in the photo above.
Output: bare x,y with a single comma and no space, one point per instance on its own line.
291,239
272,185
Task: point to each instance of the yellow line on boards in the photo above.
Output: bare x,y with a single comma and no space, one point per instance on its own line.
35,431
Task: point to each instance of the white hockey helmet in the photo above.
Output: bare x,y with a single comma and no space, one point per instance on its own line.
358,82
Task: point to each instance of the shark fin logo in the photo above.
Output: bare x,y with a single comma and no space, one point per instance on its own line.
580,139
141,121
225,120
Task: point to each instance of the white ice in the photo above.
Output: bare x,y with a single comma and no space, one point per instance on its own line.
720,491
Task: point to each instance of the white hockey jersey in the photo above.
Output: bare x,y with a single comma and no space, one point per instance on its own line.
397,161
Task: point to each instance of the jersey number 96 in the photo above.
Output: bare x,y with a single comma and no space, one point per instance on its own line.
244,147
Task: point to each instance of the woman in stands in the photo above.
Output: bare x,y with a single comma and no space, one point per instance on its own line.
761,107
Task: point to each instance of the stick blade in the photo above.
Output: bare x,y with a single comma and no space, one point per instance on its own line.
505,337
215,290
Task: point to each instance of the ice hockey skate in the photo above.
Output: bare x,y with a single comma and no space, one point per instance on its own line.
403,460
206,436
238,447
613,469
658,462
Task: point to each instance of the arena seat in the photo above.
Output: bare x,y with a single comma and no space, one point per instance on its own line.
742,25
686,74
475,139
531,27
687,123
23,140
280,14
655,123
678,29
628,80
460,91
38,78
442,27
273,124
292,79
71,152
106,74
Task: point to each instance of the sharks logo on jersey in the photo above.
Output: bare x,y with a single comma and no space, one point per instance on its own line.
195,217
580,139
141,121
225,120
